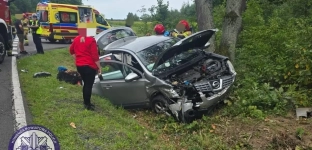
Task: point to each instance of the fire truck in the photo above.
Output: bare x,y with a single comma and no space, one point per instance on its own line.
6,28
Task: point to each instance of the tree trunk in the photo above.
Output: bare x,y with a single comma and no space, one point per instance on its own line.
232,26
204,10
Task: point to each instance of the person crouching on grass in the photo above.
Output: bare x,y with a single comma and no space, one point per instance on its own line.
85,52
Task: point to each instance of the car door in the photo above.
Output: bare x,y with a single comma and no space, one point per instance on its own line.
117,90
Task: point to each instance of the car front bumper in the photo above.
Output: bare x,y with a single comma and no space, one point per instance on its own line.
207,102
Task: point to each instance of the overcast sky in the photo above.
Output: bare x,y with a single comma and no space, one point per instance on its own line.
118,9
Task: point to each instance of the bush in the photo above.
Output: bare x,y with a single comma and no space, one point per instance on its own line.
273,63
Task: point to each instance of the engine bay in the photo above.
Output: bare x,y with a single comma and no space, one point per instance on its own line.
204,79
200,73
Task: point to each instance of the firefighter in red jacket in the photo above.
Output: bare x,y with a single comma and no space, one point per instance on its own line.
182,30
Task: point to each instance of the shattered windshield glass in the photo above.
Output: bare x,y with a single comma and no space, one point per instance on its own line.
151,54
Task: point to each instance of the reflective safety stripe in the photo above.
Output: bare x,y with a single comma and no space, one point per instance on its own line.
39,30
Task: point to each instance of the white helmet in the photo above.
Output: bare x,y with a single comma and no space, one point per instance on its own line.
34,15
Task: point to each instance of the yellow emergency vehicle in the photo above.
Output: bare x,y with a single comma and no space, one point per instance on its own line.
60,21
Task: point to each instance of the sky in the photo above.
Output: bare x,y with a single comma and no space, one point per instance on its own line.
118,9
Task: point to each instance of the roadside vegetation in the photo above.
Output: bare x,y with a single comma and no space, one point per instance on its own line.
273,61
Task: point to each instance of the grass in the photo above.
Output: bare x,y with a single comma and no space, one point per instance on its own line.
55,108
109,127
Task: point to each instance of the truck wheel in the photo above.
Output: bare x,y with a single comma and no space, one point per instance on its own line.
159,104
2,49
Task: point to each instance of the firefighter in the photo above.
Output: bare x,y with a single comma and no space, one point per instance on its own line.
161,30
183,30
25,23
30,23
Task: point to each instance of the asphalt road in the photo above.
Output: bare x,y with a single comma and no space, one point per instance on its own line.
6,113
46,45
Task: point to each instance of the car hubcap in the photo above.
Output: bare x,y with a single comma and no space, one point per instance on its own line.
159,107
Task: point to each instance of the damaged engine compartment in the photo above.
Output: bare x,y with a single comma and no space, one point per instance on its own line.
200,86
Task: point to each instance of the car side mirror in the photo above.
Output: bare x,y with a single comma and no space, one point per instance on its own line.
132,76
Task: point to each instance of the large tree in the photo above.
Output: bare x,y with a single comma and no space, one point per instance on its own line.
232,26
204,10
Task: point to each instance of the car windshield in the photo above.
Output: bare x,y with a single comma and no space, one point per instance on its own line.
150,55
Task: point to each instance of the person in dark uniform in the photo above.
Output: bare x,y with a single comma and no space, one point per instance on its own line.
20,34
36,33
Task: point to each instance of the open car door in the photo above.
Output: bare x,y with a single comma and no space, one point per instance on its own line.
122,84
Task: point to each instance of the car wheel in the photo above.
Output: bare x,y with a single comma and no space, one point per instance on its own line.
159,104
2,49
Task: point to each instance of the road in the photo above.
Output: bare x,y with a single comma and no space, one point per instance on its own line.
6,113
46,45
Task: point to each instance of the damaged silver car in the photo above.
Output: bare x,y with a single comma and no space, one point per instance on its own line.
168,75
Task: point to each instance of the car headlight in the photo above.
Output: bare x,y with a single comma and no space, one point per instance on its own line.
172,92
231,67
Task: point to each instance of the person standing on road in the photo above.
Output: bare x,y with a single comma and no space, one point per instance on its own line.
20,34
85,52
36,30
25,22
30,23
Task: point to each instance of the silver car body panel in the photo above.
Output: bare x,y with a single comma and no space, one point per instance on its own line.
143,89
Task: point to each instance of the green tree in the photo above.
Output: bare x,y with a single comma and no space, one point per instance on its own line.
21,6
129,20
160,13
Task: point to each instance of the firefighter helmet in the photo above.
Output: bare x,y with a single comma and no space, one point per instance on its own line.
159,29
24,15
186,24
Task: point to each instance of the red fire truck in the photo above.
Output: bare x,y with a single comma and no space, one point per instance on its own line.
6,27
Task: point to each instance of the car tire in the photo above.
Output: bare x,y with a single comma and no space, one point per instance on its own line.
2,49
159,104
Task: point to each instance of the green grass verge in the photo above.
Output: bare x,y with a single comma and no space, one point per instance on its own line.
55,108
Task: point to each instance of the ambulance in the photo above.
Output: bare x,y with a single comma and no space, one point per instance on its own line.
60,21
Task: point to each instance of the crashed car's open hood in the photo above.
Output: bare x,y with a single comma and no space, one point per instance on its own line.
196,40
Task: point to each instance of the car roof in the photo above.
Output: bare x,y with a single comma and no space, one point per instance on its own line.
98,36
140,43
